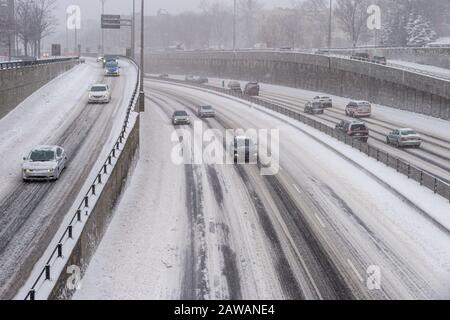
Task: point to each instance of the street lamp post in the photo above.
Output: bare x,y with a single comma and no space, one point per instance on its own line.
103,31
141,91
329,25
234,26
133,30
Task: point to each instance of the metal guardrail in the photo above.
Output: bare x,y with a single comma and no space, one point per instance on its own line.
437,185
394,65
57,252
21,64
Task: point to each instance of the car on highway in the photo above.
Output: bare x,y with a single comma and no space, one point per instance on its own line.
361,56
206,112
358,109
235,87
196,79
326,101
180,117
100,58
109,58
314,107
112,69
99,93
163,76
252,89
380,60
44,163
356,129
244,150
404,137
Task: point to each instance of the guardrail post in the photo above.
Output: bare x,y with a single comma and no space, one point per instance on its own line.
435,185
86,202
99,178
59,250
409,170
421,177
47,272
105,168
378,155
70,230
32,294
93,189
79,215
397,164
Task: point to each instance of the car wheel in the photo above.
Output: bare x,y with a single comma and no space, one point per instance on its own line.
388,141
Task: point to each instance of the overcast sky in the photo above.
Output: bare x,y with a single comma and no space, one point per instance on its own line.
92,8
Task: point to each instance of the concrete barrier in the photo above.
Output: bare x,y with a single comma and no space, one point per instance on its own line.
343,77
99,217
17,84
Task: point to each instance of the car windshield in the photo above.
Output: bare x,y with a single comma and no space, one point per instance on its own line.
111,64
407,132
42,155
357,127
98,88
180,114
206,107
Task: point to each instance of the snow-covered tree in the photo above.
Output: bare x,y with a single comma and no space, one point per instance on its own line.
419,31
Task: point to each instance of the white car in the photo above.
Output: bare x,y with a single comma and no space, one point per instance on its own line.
326,101
44,163
99,93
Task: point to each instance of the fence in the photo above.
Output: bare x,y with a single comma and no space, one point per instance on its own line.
57,253
437,185
21,64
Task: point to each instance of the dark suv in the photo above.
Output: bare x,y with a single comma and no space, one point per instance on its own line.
355,129
252,89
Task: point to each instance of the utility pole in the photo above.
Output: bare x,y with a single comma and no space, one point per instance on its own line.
234,26
329,25
141,92
133,30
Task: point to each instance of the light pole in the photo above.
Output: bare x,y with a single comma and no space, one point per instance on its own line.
234,26
133,29
329,25
103,31
141,91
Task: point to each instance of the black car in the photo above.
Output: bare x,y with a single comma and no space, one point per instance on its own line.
356,129
379,59
362,56
314,107
252,89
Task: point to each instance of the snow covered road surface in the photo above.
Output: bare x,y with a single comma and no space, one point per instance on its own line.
58,113
315,230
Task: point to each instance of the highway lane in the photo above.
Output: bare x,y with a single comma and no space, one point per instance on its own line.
30,213
402,278
312,231
433,156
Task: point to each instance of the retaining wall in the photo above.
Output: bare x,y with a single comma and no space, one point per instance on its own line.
16,84
343,77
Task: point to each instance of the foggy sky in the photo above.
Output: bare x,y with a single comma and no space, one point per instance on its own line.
92,8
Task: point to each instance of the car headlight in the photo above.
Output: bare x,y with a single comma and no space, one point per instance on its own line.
28,170
51,170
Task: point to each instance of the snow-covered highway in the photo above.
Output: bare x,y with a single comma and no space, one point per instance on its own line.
316,230
58,113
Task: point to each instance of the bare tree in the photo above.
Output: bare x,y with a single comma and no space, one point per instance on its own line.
248,12
34,21
352,15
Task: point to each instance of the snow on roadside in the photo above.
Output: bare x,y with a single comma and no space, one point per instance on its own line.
35,120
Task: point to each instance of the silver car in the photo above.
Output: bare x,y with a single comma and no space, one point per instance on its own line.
404,138
44,163
180,117
206,112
